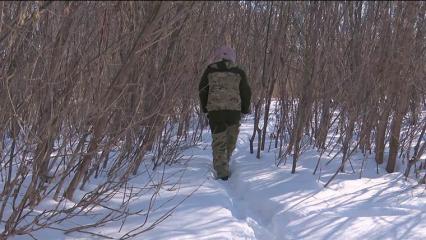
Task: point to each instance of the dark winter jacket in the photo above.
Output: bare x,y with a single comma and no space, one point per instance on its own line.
228,114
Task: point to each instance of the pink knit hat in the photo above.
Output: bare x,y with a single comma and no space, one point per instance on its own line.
227,53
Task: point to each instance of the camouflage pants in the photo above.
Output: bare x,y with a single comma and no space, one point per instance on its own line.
223,145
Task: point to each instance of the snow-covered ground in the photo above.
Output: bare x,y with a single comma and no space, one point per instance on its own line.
263,201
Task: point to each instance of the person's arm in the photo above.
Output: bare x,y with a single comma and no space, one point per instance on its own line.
203,89
245,93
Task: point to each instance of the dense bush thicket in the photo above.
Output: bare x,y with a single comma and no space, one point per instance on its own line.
82,79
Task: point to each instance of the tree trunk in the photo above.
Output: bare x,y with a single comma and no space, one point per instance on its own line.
87,159
394,142
380,136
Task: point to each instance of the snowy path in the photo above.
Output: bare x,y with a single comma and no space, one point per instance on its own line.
261,201
264,202
256,214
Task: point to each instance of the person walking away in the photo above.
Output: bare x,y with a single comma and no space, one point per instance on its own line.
224,95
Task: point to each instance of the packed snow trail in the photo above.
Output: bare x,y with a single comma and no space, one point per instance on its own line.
261,201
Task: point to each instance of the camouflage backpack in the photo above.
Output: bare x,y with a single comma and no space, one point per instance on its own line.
224,91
